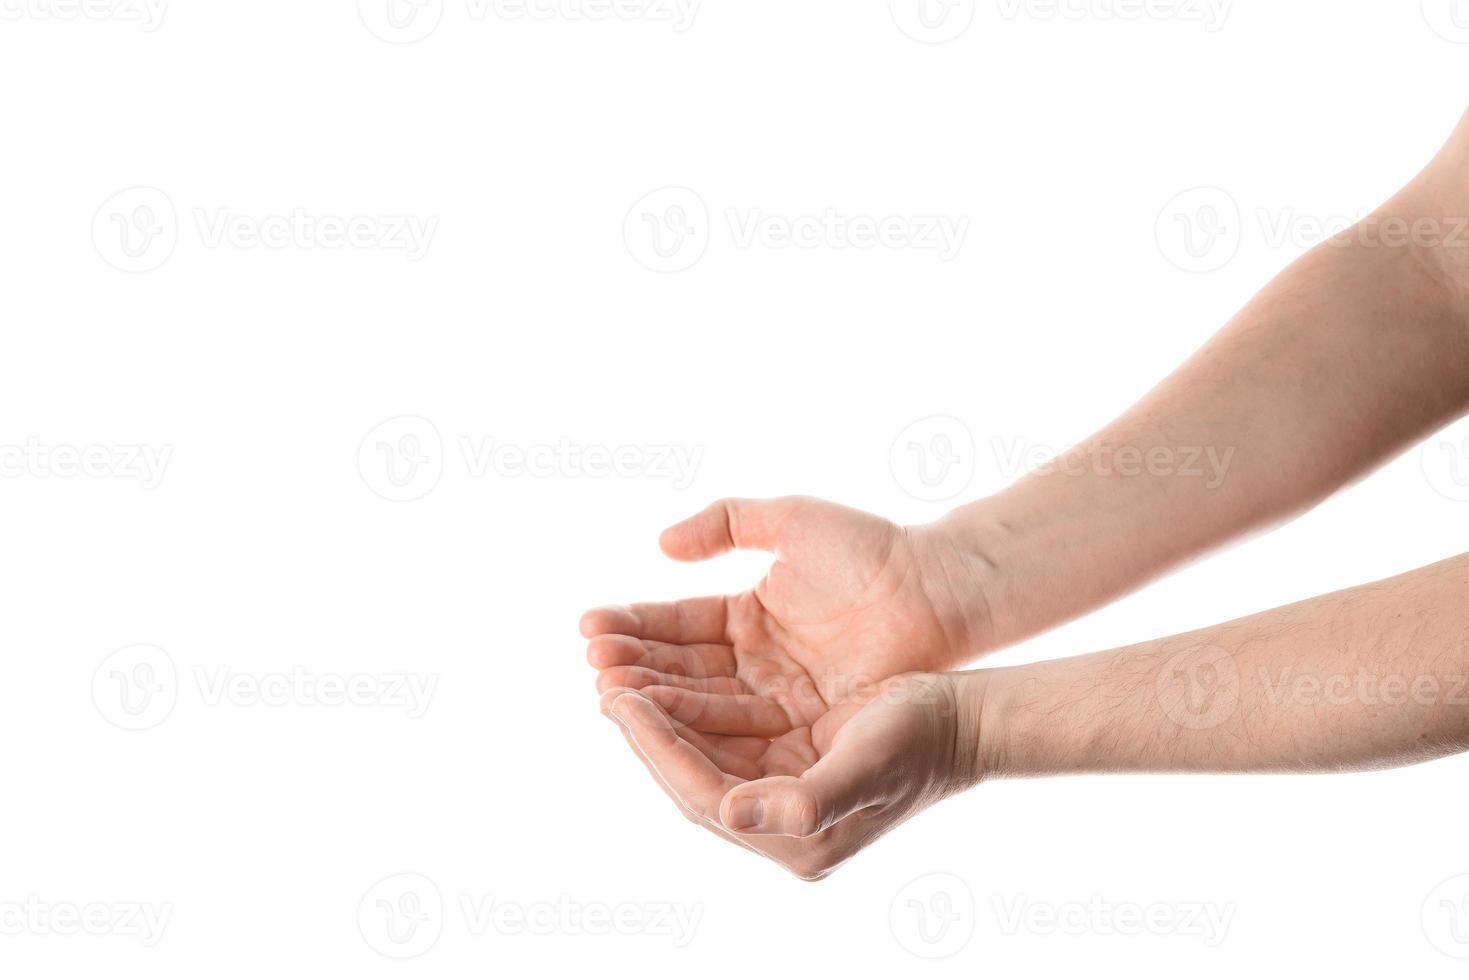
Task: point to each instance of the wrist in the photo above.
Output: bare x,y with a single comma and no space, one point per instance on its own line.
976,723
966,578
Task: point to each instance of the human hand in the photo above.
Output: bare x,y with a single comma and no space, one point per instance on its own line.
815,796
850,600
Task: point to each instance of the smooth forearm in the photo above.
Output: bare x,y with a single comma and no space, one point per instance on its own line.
1370,677
1355,351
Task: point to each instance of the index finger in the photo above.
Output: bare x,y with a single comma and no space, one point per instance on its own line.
700,620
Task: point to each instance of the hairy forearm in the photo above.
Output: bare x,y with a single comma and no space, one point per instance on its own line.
1355,351
1374,676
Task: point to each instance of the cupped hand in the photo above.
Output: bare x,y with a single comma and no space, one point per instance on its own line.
815,796
850,599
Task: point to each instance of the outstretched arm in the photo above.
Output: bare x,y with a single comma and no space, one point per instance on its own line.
1374,676
1371,677
1358,349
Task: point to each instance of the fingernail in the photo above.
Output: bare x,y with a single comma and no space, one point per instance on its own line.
618,716
746,813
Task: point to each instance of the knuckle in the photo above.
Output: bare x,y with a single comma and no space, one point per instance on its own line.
805,815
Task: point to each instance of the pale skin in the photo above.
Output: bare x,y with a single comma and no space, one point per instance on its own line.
806,717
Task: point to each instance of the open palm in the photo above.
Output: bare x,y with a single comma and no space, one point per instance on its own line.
850,600
813,797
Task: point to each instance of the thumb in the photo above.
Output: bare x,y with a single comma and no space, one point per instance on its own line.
728,524
805,805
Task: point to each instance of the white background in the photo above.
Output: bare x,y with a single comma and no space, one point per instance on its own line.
532,319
